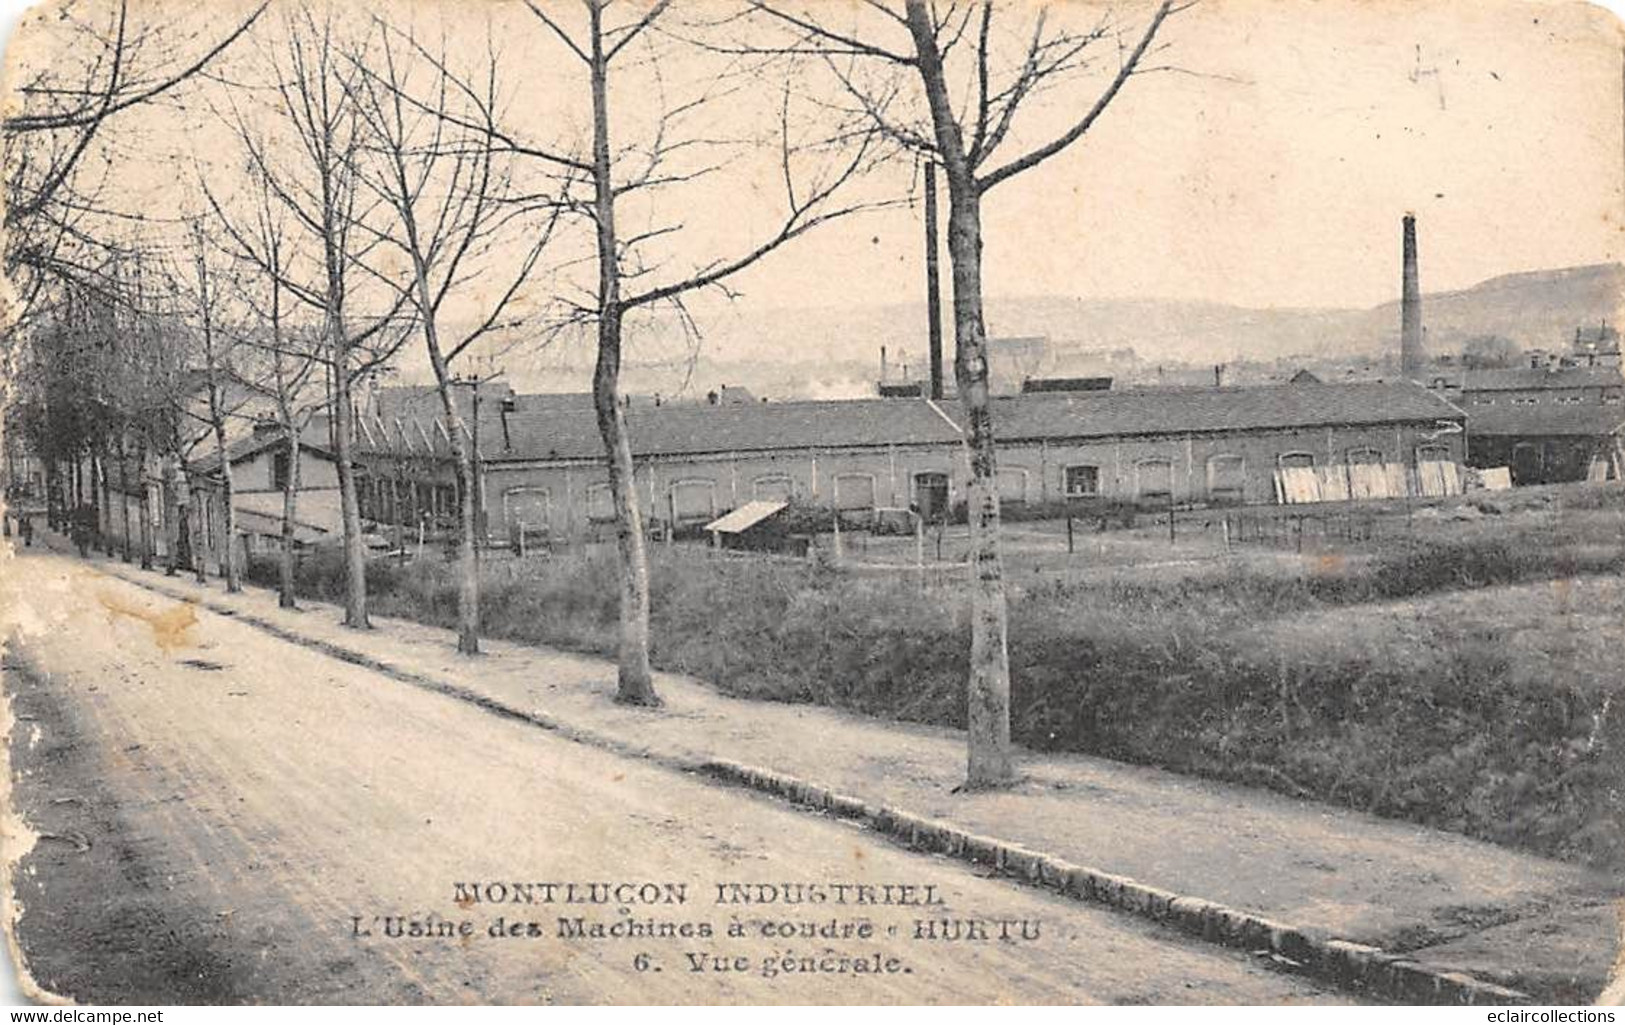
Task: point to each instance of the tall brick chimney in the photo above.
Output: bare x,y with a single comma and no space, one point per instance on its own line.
1412,357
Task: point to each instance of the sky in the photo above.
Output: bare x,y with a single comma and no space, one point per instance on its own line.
1282,180
1268,166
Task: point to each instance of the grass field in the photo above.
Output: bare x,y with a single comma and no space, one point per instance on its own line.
1456,669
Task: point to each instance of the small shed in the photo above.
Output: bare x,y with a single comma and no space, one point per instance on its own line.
756,526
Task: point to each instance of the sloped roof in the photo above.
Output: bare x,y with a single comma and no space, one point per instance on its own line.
1546,419
745,517
318,514
568,430
249,445
1138,412
1525,378
695,429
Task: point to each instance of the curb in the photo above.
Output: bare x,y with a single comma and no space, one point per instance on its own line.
1357,967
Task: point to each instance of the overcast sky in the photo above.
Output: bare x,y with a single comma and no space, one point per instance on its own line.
1273,168
1283,182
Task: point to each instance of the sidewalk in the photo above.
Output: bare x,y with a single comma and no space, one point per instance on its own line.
1547,928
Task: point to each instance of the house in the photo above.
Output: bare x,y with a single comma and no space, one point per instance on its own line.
261,463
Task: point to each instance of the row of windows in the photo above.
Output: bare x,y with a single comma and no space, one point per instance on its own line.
696,499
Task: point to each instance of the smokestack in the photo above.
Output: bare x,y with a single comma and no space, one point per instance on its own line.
1218,375
882,362
933,282
1412,354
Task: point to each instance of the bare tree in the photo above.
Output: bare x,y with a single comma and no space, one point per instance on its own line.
433,160
614,46
310,171
277,361
901,68
214,351
96,61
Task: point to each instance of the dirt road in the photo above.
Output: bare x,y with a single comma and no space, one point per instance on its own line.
228,817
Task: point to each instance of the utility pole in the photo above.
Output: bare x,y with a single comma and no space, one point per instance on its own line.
478,484
933,283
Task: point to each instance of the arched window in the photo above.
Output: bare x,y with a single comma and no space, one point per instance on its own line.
772,487
1226,479
854,492
1364,457
1012,485
1295,460
600,503
693,500
528,508
1154,479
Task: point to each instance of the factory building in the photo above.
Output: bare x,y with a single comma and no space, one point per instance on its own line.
542,464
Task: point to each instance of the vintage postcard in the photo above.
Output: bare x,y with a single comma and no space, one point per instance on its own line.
814,502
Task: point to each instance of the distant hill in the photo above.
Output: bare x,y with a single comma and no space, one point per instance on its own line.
835,352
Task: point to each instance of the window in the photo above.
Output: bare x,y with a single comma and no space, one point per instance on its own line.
1611,395
279,471
1570,400
1012,485
1525,400
1364,457
1226,479
1081,481
1154,479
1483,400
854,492
772,487
1433,454
529,509
931,496
693,500
600,504
1295,460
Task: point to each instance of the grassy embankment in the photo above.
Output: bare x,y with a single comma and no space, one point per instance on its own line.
1468,683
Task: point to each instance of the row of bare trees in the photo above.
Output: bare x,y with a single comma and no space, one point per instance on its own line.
382,193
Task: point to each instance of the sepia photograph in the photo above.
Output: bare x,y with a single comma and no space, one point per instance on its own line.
812,502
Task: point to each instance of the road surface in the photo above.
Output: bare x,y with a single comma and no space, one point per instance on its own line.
226,817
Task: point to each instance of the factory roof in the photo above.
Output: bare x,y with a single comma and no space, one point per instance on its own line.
569,431
1151,411
1527,378
1545,420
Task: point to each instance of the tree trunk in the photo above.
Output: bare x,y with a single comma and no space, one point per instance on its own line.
290,509
468,581
468,584
635,683
200,540
172,519
126,548
988,758
143,508
355,555
228,496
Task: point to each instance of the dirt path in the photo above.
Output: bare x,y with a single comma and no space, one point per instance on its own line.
245,801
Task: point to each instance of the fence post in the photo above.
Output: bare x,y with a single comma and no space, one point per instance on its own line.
1070,545
1227,532
1170,516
